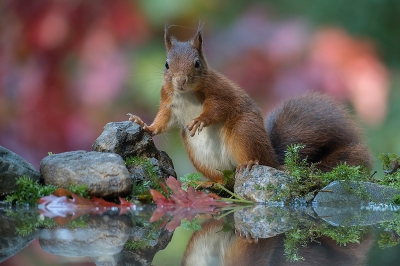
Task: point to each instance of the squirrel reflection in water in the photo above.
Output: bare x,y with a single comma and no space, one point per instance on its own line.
211,246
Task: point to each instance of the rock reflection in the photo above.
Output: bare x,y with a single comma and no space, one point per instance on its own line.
101,236
255,235
109,239
10,241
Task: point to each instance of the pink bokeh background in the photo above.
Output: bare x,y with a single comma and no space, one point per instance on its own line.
69,67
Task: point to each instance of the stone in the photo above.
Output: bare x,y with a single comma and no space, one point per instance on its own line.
11,242
262,184
128,139
13,166
351,192
104,174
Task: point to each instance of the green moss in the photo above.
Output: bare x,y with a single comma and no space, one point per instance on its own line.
30,191
307,178
190,179
151,233
228,178
141,188
301,236
80,190
27,222
391,236
194,225
388,240
390,165
194,179
130,244
293,240
396,199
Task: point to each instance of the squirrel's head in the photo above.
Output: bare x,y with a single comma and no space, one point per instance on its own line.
185,65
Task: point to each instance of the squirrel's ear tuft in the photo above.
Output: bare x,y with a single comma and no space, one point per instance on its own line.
197,41
167,39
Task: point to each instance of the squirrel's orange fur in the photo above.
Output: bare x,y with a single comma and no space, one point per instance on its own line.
222,127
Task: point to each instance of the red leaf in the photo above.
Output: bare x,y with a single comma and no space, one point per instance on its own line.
161,200
64,206
62,192
183,204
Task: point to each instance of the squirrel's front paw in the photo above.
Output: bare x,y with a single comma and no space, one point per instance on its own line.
196,124
136,119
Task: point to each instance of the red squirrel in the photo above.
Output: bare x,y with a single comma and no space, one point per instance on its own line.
223,129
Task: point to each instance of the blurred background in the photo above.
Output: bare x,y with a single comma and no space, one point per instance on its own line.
69,67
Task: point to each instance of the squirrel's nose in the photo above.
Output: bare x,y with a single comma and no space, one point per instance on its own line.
180,81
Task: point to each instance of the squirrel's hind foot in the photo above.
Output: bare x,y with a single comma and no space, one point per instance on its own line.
245,236
247,165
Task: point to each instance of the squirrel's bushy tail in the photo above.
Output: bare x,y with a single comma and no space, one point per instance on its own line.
326,128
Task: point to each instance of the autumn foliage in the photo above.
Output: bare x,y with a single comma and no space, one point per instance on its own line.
183,204
64,206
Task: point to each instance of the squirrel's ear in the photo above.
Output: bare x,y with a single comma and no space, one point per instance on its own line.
167,39
197,41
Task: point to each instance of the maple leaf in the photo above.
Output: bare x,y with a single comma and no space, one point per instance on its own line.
183,204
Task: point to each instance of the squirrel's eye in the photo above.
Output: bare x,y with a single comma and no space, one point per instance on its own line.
197,64
166,65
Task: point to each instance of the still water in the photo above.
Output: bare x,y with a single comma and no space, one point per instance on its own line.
241,235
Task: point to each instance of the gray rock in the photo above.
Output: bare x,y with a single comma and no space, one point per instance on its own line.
262,184
104,174
10,242
128,139
11,167
350,193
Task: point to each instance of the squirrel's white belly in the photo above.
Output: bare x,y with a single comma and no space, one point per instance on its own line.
207,146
